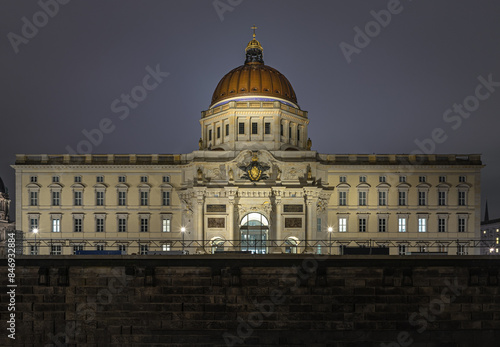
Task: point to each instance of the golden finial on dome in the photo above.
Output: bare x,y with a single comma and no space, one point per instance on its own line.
254,43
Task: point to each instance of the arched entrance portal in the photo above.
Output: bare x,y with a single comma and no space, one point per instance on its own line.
254,229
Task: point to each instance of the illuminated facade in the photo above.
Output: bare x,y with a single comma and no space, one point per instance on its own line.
253,185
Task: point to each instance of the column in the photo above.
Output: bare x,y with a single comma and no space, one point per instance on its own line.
279,228
309,224
233,232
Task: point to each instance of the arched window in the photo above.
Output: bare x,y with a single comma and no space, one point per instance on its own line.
254,228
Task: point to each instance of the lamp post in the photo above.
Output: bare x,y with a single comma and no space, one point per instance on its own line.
183,231
330,230
35,231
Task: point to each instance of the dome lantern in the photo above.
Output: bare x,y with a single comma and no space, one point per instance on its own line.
254,51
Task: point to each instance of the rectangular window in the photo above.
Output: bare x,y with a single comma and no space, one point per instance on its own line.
298,134
382,179
144,249
55,250
402,179
100,179
461,225
144,198
362,179
122,225
33,179
99,197
144,179
166,198
281,130
318,225
227,129
382,198
99,247
422,225
267,128
362,225
122,248
442,248
402,225
441,198
78,179
422,198
442,179
289,132
462,179
122,179
33,223
99,223
55,179
441,225
342,198
342,179
362,198
56,198
166,248
144,225
241,128
166,179
402,198
254,128
382,225
77,225
422,248
218,132
122,198
77,248
166,225
78,198
210,135
422,179
461,199
462,250
342,225
56,225
402,249
33,198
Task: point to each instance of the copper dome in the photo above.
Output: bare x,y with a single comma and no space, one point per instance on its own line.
254,79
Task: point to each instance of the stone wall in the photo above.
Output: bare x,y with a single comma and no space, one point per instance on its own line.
235,300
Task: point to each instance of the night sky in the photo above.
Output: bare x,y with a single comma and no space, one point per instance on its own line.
394,91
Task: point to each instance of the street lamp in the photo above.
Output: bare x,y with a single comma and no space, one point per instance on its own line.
183,231
35,231
330,231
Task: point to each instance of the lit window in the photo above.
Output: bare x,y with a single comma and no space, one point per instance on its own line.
56,225
166,225
402,225
166,247
342,225
422,225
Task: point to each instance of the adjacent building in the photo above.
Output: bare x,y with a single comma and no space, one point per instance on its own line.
254,184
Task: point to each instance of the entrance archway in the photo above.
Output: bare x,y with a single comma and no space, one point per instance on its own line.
254,230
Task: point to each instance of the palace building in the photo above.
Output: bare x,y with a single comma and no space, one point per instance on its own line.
254,184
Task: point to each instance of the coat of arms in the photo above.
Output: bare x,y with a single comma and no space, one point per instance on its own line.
255,170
